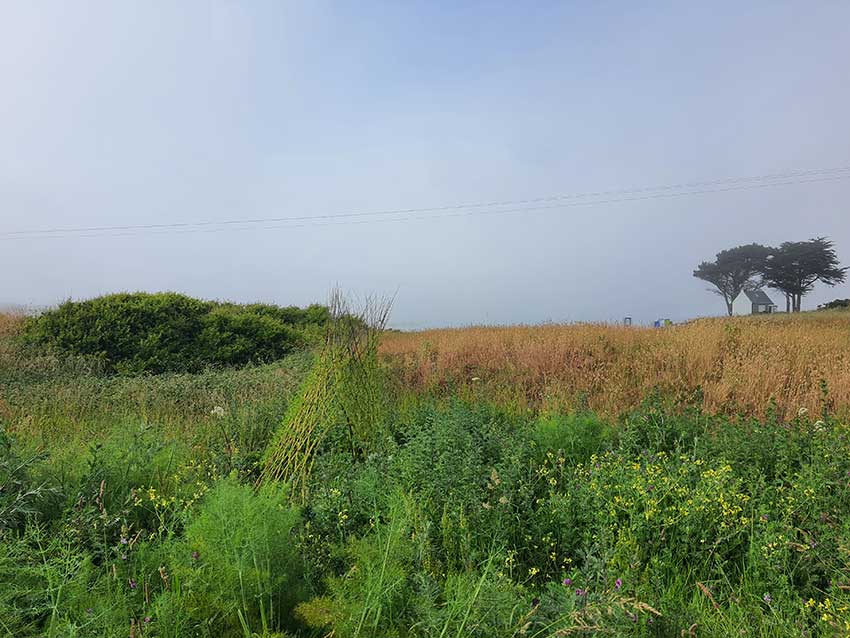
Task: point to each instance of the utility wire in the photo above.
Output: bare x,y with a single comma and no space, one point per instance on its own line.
832,174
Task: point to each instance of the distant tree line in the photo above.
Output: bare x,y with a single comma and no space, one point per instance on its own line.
835,304
792,268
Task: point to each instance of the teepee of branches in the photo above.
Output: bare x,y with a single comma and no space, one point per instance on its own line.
346,388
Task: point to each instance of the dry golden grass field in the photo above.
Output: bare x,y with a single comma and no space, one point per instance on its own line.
8,322
740,365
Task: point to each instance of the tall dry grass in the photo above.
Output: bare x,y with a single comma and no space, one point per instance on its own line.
740,364
9,322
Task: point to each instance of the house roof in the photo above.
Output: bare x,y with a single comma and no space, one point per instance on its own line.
759,297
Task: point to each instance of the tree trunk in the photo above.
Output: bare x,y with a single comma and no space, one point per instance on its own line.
729,307
787,302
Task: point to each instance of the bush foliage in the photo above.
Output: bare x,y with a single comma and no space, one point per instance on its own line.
132,333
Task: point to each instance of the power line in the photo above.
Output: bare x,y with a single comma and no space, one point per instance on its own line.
792,174
831,174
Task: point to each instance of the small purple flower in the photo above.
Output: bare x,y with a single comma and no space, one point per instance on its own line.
195,555
581,592
813,544
123,541
649,620
633,617
123,556
147,619
132,583
764,518
767,598
618,583
568,582
535,602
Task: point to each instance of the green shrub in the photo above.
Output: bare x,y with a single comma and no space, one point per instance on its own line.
373,598
575,436
834,304
237,566
233,335
132,333
21,495
52,588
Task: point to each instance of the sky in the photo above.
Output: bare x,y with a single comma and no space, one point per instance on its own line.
157,113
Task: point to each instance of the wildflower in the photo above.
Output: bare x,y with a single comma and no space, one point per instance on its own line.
218,412
147,619
767,598
535,602
123,556
195,555
123,541
618,583
132,583
568,582
649,620
581,592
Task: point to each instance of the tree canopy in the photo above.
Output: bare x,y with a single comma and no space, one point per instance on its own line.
734,270
793,268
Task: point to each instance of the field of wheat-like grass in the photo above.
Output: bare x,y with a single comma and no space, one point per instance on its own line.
9,321
739,365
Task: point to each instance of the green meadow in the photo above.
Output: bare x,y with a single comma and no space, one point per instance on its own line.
317,494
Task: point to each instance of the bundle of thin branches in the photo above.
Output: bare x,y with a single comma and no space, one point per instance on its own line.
345,388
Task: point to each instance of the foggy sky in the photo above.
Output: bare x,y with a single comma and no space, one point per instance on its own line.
128,113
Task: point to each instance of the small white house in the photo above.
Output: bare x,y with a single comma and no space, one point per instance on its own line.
753,302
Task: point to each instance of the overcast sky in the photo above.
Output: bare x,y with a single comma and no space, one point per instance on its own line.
140,113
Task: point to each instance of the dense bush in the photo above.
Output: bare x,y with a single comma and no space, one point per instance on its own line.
238,563
132,333
835,303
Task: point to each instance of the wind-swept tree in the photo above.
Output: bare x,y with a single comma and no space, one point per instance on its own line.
734,270
795,267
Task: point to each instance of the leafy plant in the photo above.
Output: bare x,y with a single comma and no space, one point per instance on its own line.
20,495
238,565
